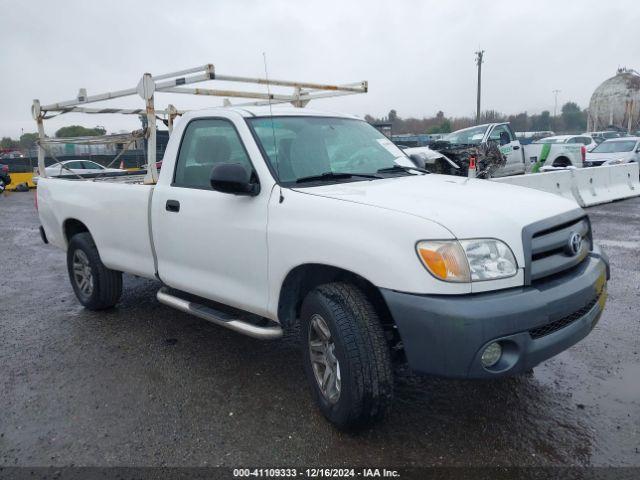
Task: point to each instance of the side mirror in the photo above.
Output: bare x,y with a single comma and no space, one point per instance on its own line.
233,178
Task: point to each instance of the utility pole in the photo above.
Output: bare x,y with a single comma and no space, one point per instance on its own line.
479,60
555,105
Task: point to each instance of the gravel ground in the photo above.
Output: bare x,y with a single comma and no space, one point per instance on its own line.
145,385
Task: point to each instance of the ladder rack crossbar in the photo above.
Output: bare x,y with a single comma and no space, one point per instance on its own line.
175,82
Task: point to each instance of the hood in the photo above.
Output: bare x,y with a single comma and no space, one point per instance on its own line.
468,208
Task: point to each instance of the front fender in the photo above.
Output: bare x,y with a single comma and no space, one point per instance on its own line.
375,243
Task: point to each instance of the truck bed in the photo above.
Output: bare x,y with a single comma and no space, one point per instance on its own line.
114,209
135,177
548,152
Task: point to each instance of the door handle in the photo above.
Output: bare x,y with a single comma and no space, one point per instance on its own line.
173,206
516,147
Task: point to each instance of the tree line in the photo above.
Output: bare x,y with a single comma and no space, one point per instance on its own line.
28,140
572,119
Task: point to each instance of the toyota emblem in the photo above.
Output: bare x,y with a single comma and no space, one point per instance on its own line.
575,244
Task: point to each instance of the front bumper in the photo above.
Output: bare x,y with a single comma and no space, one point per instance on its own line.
445,335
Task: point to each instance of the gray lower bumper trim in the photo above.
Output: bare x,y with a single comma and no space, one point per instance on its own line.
446,334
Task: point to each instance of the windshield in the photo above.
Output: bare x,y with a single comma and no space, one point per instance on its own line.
615,147
468,136
550,140
302,147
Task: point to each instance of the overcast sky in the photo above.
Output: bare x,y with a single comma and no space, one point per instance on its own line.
418,56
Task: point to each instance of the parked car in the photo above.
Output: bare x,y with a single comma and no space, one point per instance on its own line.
479,141
614,151
80,167
600,137
557,152
316,223
13,154
583,139
5,178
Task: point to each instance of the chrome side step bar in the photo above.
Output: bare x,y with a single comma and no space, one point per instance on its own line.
219,318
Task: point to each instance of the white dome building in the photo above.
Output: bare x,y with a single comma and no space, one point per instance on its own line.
616,102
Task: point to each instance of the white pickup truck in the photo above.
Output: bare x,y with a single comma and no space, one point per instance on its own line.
557,151
311,221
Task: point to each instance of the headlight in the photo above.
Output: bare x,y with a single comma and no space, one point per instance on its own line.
467,260
615,161
489,259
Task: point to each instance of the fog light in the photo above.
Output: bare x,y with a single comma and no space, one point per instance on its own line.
491,355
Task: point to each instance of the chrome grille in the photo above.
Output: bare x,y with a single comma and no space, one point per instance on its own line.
550,254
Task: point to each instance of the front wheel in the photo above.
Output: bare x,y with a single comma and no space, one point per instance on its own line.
345,355
96,286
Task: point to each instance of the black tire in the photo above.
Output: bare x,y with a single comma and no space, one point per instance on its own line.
106,284
366,378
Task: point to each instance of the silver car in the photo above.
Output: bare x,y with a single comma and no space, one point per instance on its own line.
80,167
614,151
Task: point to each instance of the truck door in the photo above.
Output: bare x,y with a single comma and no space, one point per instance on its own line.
510,147
209,243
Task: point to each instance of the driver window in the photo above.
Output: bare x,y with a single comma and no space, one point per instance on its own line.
205,143
501,135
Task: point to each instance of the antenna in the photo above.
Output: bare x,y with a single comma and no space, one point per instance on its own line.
273,128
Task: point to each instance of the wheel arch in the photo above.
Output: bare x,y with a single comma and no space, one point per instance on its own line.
561,161
304,278
71,227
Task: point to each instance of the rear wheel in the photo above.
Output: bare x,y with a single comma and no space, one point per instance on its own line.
345,355
96,286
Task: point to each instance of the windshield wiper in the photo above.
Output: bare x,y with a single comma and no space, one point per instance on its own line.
401,168
334,176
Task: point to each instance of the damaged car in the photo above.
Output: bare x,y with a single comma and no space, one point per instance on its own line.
490,150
